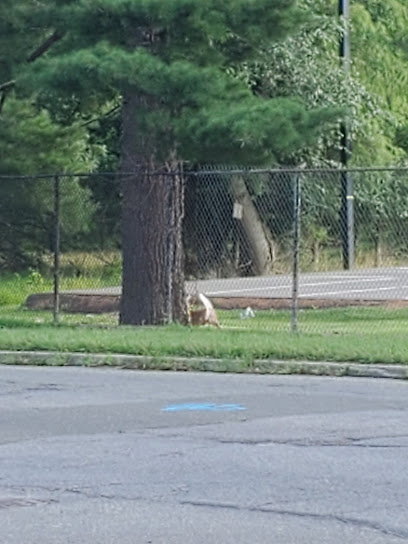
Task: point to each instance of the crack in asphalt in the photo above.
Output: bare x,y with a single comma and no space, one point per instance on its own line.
311,515
23,502
10,502
38,388
306,443
87,492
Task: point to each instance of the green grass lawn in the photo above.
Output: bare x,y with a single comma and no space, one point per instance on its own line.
370,335
15,288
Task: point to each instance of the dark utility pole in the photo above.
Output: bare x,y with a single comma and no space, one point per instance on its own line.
347,197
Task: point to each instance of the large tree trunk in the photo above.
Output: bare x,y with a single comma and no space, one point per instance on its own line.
260,240
152,214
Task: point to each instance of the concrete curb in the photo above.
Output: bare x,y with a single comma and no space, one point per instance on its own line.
260,366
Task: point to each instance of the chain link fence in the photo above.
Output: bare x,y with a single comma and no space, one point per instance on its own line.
295,248
60,245
273,249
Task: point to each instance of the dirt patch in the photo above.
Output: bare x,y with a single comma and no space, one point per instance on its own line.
304,303
100,303
75,303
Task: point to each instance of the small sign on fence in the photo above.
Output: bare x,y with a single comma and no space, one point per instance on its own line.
237,211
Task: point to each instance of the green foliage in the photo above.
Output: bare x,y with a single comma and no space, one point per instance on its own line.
381,209
27,218
175,55
207,32
179,56
78,270
33,144
230,82
263,131
17,38
306,64
379,63
15,288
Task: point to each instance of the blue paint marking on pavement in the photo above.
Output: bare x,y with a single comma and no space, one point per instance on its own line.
206,406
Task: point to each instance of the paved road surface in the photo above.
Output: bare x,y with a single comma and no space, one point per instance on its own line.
361,284
366,284
108,457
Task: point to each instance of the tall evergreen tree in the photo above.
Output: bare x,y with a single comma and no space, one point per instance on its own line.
168,61
33,142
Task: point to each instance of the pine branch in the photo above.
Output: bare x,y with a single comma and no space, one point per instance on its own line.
6,86
4,90
107,114
41,50
2,100
45,46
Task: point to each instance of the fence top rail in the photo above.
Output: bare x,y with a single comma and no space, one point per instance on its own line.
208,171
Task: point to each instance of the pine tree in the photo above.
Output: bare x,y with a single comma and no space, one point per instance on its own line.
32,143
169,62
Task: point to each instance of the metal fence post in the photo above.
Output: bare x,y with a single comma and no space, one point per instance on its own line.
296,247
57,240
347,220
170,249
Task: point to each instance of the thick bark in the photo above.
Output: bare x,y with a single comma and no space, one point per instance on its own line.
152,214
260,240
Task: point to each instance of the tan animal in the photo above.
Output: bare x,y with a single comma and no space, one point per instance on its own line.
206,315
